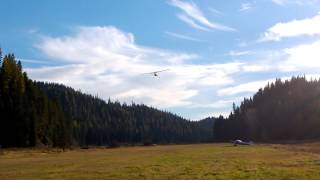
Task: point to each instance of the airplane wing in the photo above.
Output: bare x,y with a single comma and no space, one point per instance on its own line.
156,71
161,71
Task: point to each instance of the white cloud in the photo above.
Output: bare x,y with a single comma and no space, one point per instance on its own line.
298,58
280,2
295,28
222,104
310,77
245,7
181,36
253,86
219,104
214,114
107,62
217,114
191,22
256,67
193,16
305,56
240,53
155,96
250,87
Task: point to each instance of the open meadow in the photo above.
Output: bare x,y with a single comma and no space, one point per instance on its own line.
199,161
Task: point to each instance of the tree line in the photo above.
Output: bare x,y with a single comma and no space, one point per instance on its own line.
28,117
282,111
37,113
95,121
41,113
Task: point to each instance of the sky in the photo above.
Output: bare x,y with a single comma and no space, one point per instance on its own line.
217,52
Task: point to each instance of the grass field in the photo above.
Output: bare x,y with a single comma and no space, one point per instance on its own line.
200,161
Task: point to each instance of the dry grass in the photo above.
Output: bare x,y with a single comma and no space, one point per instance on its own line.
201,161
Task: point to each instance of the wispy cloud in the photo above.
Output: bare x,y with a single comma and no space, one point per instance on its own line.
191,22
240,53
280,2
250,87
245,7
215,11
34,61
308,26
193,16
181,36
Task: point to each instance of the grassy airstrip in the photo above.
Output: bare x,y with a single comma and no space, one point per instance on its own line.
200,161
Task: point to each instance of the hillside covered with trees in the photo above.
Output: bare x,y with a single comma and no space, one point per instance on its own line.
98,122
282,111
37,113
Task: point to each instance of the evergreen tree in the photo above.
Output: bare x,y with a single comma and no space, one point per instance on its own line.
281,111
25,121
0,56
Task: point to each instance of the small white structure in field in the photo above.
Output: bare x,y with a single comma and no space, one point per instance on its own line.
240,142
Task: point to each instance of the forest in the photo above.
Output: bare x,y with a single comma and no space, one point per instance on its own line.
48,114
280,112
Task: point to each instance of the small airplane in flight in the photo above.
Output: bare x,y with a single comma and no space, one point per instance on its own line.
155,73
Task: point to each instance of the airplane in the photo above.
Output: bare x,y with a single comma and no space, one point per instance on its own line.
155,73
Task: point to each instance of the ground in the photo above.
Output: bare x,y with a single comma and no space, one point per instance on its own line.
199,161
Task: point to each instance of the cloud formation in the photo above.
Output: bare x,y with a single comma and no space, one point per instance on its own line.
245,7
107,62
303,56
295,28
250,87
240,53
193,16
181,36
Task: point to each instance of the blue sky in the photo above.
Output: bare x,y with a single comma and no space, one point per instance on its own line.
217,52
